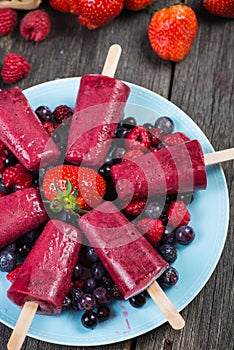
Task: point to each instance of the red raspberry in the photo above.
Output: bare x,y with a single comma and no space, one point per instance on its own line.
17,176
134,208
8,18
138,138
11,276
62,113
50,127
132,154
35,25
175,139
156,136
178,214
15,67
152,229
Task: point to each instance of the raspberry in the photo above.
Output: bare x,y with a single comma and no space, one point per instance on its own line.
152,229
8,18
14,68
17,177
11,276
138,138
135,207
35,25
178,214
62,113
175,139
50,127
156,136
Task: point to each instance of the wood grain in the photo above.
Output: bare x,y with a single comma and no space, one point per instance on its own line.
202,86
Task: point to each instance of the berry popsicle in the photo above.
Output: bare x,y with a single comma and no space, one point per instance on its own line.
22,132
171,170
20,213
99,106
128,257
45,276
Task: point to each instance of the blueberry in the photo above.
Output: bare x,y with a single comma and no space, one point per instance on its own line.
184,234
148,126
7,261
102,295
104,171
89,285
129,123
168,252
77,272
23,250
103,313
87,302
187,198
91,255
153,210
168,235
3,189
121,132
169,277
11,247
35,178
138,300
75,295
44,114
66,304
97,271
115,293
10,160
165,124
106,281
89,319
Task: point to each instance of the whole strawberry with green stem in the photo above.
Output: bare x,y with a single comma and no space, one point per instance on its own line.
172,31
223,8
73,188
97,13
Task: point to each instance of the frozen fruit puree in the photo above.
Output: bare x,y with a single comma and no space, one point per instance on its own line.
99,107
22,132
45,276
170,170
129,258
20,213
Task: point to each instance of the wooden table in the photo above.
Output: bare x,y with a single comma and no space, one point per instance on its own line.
202,86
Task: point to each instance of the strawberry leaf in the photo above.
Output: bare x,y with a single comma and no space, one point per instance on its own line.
68,187
59,192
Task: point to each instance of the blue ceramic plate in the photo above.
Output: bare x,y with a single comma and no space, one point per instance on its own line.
195,263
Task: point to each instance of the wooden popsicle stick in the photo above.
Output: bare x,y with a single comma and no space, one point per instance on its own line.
20,4
22,326
165,305
219,157
112,60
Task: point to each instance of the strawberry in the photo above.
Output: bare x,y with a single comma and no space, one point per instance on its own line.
152,229
172,31
223,8
73,188
135,207
175,139
137,5
60,5
11,276
178,214
96,13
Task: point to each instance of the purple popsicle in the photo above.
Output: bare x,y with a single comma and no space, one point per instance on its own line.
99,107
20,213
128,257
23,133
